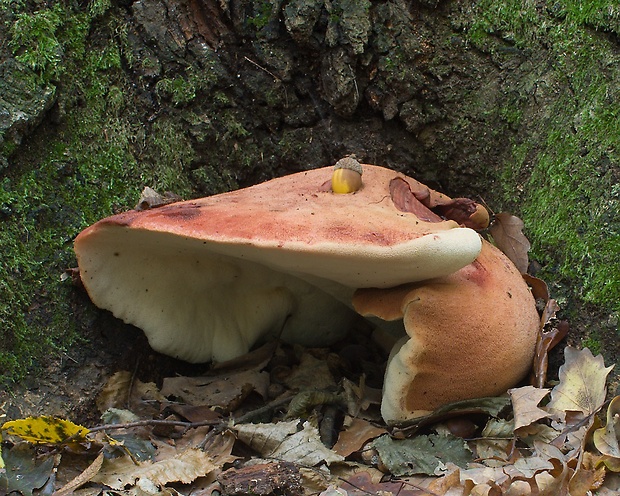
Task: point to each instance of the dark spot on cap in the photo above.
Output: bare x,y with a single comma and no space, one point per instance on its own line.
183,211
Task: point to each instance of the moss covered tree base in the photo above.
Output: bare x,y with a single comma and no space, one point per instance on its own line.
517,105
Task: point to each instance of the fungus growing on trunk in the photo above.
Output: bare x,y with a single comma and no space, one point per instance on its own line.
206,279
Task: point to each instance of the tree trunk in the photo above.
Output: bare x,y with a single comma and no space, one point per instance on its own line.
516,105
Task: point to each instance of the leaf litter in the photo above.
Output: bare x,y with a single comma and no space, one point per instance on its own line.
555,440
286,420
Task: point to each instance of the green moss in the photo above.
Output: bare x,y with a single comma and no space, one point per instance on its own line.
72,175
571,197
262,14
178,89
593,343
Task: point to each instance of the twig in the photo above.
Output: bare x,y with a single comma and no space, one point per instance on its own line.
276,78
263,409
190,425
143,423
131,384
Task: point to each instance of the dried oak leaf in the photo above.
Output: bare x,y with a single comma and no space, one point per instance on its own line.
507,232
582,383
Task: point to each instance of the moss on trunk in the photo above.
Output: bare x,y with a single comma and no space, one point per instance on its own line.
516,102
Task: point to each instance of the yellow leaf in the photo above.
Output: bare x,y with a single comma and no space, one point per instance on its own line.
582,383
45,430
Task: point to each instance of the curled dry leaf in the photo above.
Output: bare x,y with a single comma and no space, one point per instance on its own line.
606,439
507,232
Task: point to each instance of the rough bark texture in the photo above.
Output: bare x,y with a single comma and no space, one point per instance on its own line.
516,104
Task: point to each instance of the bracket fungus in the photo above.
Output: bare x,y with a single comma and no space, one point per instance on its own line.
206,279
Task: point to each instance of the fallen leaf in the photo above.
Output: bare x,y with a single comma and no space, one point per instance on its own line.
421,454
225,391
355,436
91,471
185,467
284,442
540,290
507,232
305,447
525,402
123,390
582,383
539,461
494,447
547,340
46,430
24,472
311,374
414,202
607,439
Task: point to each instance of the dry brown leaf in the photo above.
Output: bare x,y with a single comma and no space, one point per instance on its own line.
226,391
539,288
355,436
311,373
507,232
414,202
525,402
122,390
547,340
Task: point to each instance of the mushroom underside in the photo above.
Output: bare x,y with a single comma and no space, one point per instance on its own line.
199,305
